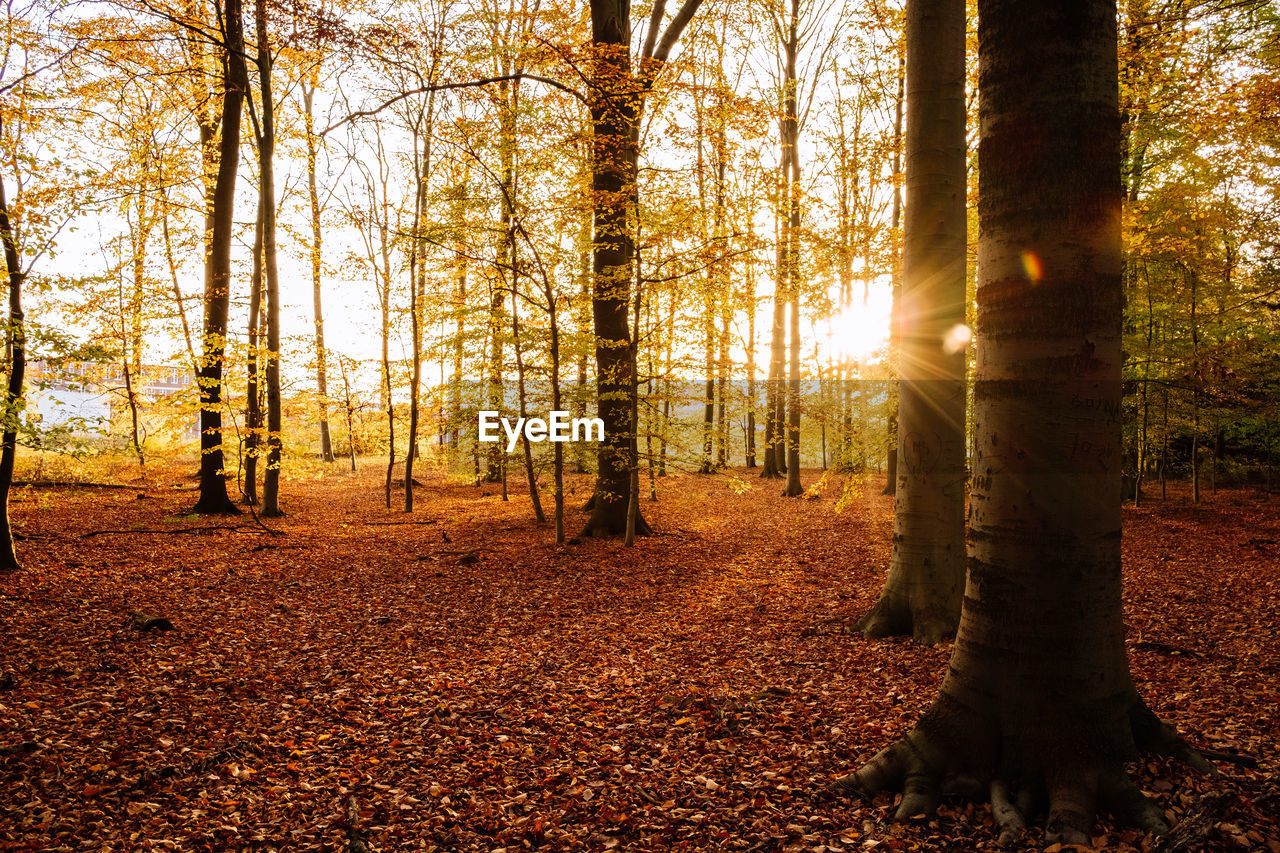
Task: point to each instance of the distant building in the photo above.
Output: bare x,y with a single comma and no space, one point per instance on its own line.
88,397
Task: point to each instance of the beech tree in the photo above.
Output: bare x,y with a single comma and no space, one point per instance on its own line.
217,296
618,91
17,368
922,592
308,88
1038,700
267,212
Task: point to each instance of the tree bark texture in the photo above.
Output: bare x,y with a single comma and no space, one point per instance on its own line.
1038,703
217,297
922,592
615,116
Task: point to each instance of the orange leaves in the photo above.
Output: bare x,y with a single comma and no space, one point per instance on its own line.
674,696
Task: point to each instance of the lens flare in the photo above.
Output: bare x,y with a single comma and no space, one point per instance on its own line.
1032,266
957,339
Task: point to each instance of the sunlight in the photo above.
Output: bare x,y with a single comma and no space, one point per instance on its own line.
860,331
957,339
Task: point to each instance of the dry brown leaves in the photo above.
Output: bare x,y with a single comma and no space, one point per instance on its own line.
363,680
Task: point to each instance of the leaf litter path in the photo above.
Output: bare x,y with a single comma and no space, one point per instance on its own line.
361,680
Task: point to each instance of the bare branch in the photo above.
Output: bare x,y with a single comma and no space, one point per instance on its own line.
442,87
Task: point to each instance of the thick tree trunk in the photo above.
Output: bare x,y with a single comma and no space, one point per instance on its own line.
616,104
1038,701
217,295
922,592
615,119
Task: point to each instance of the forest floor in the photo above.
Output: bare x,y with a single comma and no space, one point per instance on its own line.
453,680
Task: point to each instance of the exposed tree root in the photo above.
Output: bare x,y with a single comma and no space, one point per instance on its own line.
614,527
892,616
1073,780
1190,834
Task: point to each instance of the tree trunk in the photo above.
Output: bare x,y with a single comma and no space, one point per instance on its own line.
615,120
668,383
1164,445
313,192
422,130
350,412
1038,701
791,234
922,592
417,286
266,163
616,104
460,312
895,312
585,334
1195,390
253,361
751,352
132,339
17,344
495,464
506,153
1146,403
774,460
720,267
557,401
705,465
530,476
217,294
171,262
384,298
651,410
789,258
